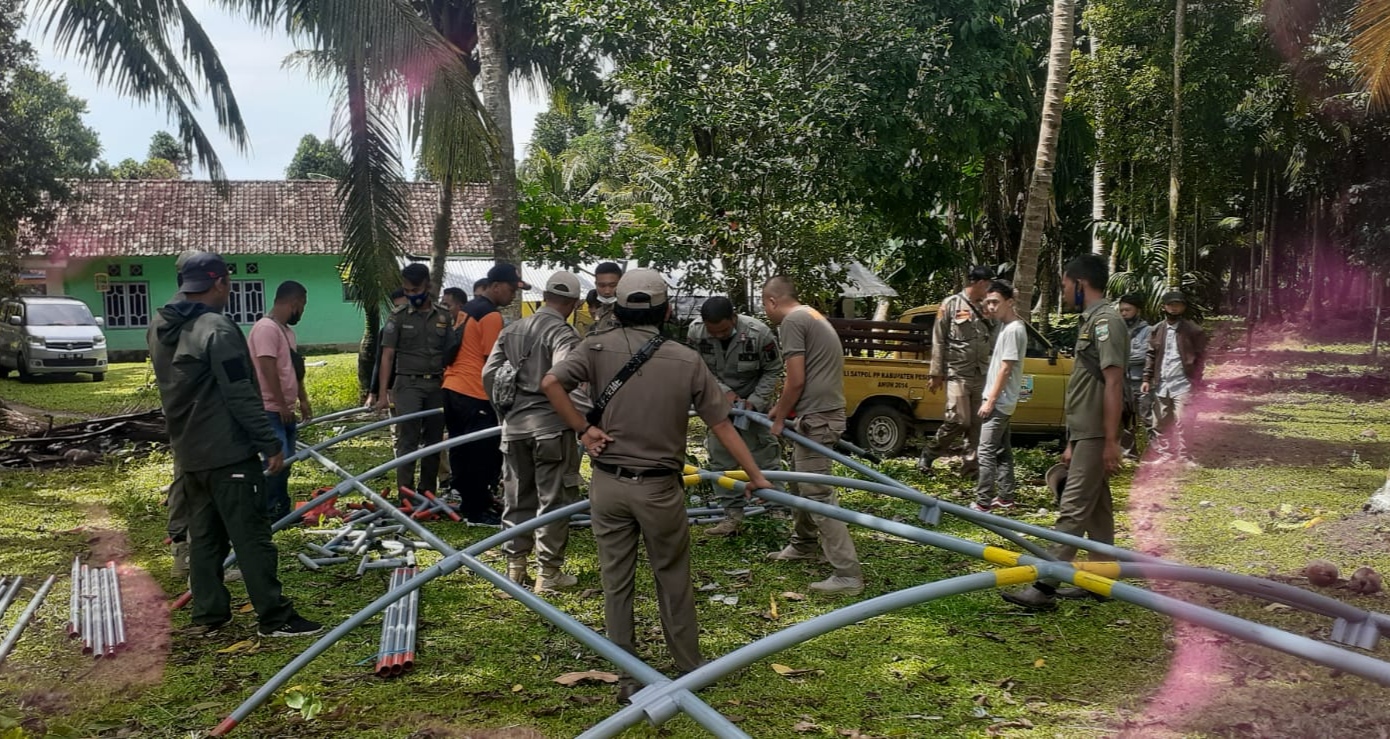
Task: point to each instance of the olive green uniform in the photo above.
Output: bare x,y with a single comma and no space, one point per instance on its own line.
218,430
418,337
962,339
820,416
636,487
1086,508
749,365
605,319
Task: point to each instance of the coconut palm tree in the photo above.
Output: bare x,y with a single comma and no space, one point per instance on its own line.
1040,188
1371,48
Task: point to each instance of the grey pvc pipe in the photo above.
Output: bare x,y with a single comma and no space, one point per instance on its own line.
116,601
336,415
1299,646
864,469
360,430
384,648
87,641
13,637
9,594
73,600
786,638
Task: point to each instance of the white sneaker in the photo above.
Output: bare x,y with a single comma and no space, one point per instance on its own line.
837,585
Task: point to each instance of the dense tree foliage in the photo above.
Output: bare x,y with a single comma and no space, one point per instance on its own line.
316,156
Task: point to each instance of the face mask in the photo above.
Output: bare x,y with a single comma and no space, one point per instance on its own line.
608,301
294,317
417,301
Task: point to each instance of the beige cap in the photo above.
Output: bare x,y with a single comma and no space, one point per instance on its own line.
565,285
641,288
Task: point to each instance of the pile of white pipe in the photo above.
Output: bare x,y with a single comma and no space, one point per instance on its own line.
95,613
398,627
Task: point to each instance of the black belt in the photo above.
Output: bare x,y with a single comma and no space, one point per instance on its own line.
628,473
423,377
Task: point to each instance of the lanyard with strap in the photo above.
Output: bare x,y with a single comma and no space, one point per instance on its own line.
595,415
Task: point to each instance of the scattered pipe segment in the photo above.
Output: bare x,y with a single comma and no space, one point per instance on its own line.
13,637
95,612
7,594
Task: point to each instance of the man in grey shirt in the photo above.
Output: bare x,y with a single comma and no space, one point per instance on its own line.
1003,386
540,453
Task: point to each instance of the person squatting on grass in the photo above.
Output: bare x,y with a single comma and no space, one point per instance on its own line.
219,432
636,436
1094,405
1003,384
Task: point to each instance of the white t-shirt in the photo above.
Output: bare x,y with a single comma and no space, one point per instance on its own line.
1011,344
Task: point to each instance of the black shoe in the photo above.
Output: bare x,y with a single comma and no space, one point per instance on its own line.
486,518
297,626
626,689
1071,592
1032,597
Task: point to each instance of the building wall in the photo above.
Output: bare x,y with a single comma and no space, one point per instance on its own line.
329,319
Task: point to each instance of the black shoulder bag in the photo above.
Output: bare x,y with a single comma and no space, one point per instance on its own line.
595,415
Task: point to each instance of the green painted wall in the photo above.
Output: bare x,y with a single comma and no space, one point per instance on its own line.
328,319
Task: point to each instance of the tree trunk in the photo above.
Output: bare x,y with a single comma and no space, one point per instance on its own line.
443,229
495,76
1098,182
1251,290
366,351
1175,162
1040,188
1378,285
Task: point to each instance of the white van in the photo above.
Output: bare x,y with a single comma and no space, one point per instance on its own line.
50,335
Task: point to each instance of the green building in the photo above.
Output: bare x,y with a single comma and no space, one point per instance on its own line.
115,247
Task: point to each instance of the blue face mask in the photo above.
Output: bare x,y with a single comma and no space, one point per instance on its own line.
417,301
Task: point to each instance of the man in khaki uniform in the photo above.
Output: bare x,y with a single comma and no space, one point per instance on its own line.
742,353
606,276
814,390
961,343
413,343
638,448
1094,406
540,454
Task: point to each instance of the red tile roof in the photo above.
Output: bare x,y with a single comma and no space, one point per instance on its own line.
167,217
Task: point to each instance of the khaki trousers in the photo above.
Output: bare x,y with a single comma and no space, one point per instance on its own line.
1086,508
652,510
835,542
767,454
963,399
538,477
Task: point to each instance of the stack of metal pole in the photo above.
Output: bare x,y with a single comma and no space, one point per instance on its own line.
95,612
24,618
398,627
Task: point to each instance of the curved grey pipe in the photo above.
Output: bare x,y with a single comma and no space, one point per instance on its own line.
360,430
1299,646
864,469
25,617
1147,569
346,413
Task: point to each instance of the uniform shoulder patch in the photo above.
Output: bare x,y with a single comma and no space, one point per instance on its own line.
1103,331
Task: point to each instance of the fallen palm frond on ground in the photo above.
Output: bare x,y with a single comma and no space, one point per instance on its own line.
84,442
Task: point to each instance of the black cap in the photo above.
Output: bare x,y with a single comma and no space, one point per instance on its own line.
506,273
200,272
981,273
1132,299
1174,296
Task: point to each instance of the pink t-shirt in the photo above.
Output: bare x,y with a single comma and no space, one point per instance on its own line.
270,339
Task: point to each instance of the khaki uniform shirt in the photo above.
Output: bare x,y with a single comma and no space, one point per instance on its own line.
1103,335
604,320
649,415
805,332
533,345
961,340
418,338
749,366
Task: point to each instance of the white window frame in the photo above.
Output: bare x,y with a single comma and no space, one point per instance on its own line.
127,304
246,303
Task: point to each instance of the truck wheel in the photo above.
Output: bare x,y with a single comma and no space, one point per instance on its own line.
23,365
98,376
881,429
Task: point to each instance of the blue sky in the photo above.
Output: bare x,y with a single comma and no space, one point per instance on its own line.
278,105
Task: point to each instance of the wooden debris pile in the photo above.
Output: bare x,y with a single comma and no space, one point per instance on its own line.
84,442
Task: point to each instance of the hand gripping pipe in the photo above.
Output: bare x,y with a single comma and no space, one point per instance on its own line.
929,506
13,637
1082,575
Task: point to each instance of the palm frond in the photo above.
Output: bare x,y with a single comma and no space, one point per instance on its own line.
1370,45
372,194
128,45
449,134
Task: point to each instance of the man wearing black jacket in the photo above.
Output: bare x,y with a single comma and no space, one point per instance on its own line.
1177,358
219,433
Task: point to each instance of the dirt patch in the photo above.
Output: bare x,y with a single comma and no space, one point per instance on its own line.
1368,386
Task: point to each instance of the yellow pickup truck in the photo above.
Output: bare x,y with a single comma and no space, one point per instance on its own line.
886,371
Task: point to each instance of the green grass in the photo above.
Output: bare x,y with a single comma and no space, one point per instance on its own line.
128,387
964,666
